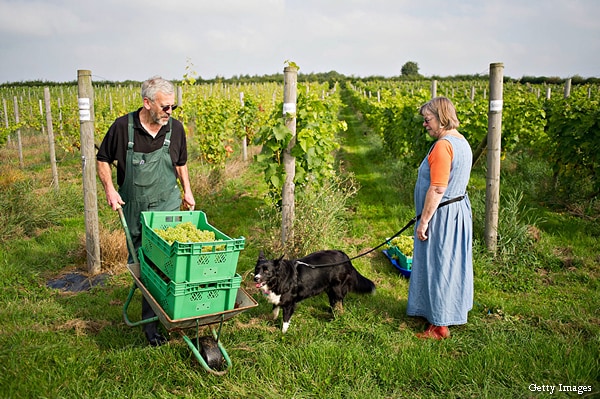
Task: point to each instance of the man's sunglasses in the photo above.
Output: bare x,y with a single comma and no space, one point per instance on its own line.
167,107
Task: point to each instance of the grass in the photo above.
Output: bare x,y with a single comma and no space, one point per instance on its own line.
535,319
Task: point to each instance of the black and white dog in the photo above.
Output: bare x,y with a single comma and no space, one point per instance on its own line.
287,282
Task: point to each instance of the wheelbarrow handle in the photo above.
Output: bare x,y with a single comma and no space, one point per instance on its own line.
127,235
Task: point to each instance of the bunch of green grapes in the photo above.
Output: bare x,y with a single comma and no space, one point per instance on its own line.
404,243
185,232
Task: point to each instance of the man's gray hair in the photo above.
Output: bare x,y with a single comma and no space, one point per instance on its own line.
154,85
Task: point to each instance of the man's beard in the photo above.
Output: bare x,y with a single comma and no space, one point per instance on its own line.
157,119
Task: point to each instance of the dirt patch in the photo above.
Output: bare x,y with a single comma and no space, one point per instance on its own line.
84,327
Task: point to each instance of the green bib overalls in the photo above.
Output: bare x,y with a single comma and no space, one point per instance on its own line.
150,185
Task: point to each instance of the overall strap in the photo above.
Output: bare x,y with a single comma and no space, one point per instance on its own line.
168,135
130,131
125,189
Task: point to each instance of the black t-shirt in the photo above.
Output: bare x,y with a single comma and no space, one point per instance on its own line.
114,144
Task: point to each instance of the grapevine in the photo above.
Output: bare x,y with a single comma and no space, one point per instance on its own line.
563,130
315,142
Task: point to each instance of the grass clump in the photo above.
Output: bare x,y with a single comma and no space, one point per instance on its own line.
320,219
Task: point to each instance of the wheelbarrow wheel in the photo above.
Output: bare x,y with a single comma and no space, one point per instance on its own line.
210,352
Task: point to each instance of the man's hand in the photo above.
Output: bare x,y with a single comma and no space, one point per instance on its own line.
114,199
188,201
112,195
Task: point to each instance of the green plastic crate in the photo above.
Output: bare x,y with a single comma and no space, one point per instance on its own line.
185,300
189,262
405,261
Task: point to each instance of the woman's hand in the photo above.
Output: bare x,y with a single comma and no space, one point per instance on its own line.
421,231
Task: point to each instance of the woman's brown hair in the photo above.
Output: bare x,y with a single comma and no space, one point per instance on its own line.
443,109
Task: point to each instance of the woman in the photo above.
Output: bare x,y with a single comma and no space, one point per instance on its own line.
441,281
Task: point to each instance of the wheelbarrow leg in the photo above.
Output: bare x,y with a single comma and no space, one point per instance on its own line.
207,344
131,249
126,306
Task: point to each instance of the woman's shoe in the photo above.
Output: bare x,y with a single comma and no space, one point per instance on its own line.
435,332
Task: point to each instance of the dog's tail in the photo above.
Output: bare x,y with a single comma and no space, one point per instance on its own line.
363,285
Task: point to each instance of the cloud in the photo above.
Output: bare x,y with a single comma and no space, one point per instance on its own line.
35,19
134,39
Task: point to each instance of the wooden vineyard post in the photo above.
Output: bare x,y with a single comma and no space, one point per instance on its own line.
179,96
6,125
51,138
433,88
245,138
42,116
290,80
492,195
19,142
60,119
567,88
88,162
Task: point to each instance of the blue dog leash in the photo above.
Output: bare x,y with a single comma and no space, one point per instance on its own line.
410,223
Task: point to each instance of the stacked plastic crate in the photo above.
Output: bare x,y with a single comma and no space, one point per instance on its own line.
189,279
401,261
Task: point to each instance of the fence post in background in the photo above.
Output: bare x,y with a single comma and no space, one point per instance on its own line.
245,138
60,118
88,162
492,195
6,125
568,88
19,143
290,82
42,117
433,88
51,138
179,96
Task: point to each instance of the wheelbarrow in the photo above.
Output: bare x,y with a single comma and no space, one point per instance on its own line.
208,350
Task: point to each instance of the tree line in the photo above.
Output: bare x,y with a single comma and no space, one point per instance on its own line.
330,77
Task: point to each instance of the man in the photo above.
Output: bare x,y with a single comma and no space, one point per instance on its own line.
150,151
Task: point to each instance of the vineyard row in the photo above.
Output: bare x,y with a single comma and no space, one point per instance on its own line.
535,118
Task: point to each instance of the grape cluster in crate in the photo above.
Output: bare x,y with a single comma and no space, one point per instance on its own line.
399,251
188,265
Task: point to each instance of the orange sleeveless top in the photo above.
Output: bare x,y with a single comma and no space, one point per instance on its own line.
440,160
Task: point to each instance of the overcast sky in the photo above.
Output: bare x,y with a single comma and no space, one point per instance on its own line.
120,40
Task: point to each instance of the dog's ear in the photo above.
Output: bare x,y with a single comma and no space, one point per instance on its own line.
261,255
279,259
